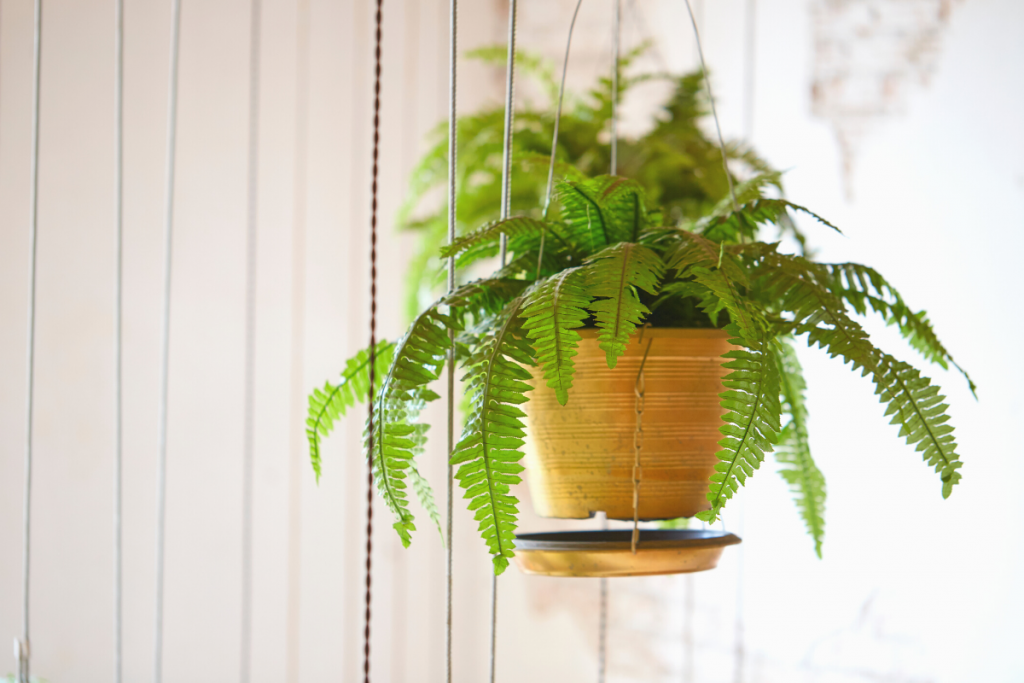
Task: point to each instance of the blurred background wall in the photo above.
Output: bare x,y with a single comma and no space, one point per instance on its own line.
897,119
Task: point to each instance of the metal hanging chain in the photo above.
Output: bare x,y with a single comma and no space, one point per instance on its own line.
714,112
161,491
452,172
639,389
22,646
249,408
373,337
118,307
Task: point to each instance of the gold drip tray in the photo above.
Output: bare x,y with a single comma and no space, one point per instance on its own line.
608,553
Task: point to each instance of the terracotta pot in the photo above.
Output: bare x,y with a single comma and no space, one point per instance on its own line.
579,457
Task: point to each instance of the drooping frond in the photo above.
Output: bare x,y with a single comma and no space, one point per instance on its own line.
748,191
551,314
489,450
863,288
793,450
745,222
488,235
418,359
334,400
612,277
801,288
920,411
752,421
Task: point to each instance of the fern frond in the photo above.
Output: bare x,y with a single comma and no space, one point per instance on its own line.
745,222
425,494
863,288
802,289
490,233
691,249
334,400
484,297
490,448
749,190
612,277
602,211
551,314
397,437
752,421
793,451
919,409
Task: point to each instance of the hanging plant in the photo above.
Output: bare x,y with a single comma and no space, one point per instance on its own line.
586,281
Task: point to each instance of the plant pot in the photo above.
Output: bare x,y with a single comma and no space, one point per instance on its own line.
579,457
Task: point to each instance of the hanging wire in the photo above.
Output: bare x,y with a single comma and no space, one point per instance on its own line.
749,82
23,646
554,137
558,116
161,478
714,112
373,335
249,409
118,305
506,200
602,620
506,154
616,39
602,648
453,146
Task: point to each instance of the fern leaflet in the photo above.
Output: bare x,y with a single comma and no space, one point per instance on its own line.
793,451
419,357
752,421
334,400
863,287
801,288
612,277
552,312
489,450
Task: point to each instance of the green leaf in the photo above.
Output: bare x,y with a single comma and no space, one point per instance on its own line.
793,451
602,211
862,288
334,400
552,312
802,288
490,234
421,487
612,278
752,418
396,436
733,225
490,448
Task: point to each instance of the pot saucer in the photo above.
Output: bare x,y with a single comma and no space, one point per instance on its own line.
608,553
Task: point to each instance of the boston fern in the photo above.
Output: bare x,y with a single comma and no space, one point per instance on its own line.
610,261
